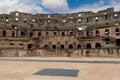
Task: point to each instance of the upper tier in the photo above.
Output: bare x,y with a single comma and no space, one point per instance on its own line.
63,21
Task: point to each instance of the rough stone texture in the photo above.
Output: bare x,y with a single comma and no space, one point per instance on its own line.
59,34
59,53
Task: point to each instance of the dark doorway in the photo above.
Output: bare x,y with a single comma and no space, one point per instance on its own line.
71,33
117,31
118,42
63,33
97,45
22,34
78,46
106,32
31,34
88,45
87,33
45,46
54,46
97,33
4,33
55,33
107,41
21,44
70,46
62,46
13,34
39,34
29,46
11,44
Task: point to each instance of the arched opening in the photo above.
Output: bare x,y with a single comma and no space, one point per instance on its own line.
11,44
55,33
118,42
71,33
106,17
62,46
47,33
22,34
54,47
107,41
21,44
117,31
31,34
29,46
106,32
13,34
70,46
4,33
87,33
97,33
39,34
88,45
45,46
97,45
63,33
78,46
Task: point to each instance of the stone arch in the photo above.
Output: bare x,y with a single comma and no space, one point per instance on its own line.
106,31
12,44
88,33
13,34
4,33
31,34
21,44
54,46
117,31
71,33
97,45
62,46
30,46
107,40
97,33
70,46
47,33
22,34
78,46
118,42
45,46
63,33
55,33
39,34
88,45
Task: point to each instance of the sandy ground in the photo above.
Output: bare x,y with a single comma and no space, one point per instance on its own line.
12,70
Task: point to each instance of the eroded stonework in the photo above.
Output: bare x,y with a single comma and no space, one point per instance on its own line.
60,32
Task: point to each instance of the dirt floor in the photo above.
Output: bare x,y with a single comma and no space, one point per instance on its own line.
25,70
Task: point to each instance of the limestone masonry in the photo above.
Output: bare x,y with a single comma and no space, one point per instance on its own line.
74,34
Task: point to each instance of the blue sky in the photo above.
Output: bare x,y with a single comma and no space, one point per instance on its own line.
77,3
57,6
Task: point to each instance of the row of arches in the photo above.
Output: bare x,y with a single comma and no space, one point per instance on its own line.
24,34
107,32
88,33
29,46
70,46
97,33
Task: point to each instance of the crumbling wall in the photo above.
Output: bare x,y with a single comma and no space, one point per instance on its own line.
60,53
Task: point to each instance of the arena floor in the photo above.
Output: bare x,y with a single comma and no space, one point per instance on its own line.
59,68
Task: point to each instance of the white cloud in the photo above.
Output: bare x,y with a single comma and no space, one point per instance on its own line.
6,6
57,6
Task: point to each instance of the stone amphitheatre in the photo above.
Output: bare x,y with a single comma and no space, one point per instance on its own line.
95,34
